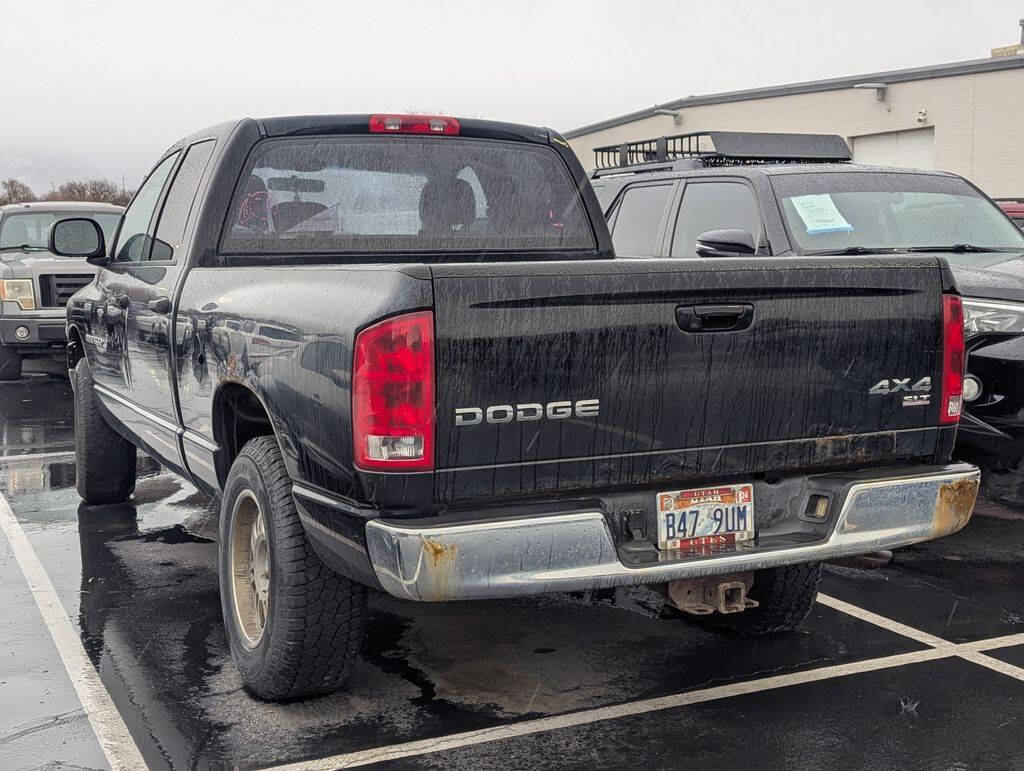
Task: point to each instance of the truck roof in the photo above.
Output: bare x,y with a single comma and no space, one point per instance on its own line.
55,206
298,125
359,124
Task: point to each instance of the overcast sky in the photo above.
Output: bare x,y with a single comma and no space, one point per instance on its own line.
103,87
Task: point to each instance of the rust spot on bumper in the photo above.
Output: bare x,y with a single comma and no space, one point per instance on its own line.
955,505
440,559
439,554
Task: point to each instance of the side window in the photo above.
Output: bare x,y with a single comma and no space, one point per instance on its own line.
713,206
180,198
636,220
132,241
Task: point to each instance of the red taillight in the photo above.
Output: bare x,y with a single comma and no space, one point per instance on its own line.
952,359
413,124
393,394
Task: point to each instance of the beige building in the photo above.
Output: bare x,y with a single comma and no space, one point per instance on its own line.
965,117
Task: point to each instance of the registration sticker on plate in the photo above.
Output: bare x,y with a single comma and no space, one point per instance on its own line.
709,517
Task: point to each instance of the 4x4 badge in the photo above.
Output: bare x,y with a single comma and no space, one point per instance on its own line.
897,384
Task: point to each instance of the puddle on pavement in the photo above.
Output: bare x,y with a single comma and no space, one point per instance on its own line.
36,416
33,475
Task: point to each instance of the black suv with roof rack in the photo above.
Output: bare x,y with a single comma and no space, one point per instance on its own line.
723,193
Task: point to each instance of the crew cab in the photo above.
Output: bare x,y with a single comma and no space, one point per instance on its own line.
799,195
401,351
35,284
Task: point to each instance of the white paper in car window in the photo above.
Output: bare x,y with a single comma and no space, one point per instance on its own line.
820,214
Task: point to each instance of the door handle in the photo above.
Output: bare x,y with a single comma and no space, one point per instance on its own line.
714,318
161,306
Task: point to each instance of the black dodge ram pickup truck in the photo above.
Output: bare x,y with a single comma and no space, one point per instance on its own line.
400,350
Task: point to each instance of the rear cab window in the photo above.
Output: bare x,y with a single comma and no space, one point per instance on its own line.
389,196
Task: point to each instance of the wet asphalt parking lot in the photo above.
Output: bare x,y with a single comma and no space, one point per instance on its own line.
112,651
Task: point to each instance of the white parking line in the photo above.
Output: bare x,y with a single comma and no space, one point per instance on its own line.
37,456
110,730
923,637
882,621
585,717
1002,667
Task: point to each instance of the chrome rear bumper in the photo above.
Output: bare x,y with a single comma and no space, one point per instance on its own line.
574,551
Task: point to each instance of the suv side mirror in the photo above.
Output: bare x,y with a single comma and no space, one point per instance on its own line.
78,237
725,243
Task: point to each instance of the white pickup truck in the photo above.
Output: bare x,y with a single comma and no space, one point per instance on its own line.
35,284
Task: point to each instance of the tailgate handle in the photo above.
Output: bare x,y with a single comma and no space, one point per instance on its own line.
714,318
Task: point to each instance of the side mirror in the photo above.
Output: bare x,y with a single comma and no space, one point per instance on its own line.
725,243
78,237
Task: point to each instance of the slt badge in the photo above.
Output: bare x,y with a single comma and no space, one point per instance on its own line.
918,395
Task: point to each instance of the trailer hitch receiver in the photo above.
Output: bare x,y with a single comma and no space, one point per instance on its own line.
703,596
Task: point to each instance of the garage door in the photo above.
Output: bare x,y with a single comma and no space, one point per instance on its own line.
912,149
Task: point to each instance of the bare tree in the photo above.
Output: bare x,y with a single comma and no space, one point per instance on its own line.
15,191
97,190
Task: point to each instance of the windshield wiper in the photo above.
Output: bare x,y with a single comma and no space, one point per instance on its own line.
955,248
23,248
848,250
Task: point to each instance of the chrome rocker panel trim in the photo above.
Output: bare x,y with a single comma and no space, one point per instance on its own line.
575,551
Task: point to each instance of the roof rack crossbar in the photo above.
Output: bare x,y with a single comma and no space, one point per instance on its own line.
725,147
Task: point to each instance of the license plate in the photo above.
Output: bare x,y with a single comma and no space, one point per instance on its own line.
708,517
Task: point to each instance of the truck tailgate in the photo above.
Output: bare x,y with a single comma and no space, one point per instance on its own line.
678,395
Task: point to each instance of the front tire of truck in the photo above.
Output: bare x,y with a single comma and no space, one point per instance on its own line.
10,363
104,460
294,626
785,597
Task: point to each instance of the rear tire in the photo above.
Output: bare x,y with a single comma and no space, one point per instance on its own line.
10,363
785,595
104,460
294,626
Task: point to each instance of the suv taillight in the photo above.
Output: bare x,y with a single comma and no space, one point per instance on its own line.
952,359
393,394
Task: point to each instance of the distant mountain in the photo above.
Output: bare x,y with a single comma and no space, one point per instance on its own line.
45,171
